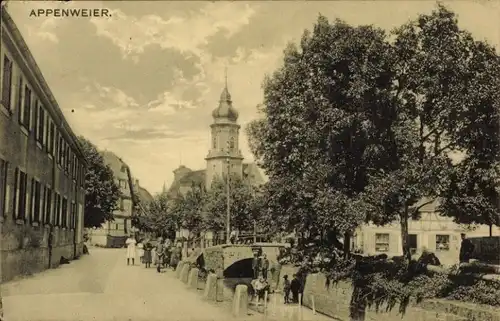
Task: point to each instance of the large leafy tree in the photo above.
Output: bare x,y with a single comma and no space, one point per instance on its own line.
446,93
325,113
101,191
240,204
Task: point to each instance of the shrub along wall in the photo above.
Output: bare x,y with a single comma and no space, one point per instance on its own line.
334,300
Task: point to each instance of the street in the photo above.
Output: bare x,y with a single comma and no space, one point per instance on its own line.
100,286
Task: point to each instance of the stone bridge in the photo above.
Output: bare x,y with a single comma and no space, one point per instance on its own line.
234,261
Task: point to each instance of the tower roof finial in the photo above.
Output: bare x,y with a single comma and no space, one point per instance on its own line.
225,76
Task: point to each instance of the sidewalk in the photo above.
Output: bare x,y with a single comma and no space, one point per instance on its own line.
276,310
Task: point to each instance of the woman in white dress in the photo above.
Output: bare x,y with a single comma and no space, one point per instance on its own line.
131,249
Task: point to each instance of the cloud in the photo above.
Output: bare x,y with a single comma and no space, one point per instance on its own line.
184,33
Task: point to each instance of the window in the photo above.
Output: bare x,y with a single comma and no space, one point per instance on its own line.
65,212
52,137
41,125
4,169
231,143
35,197
123,169
57,205
67,164
48,204
19,104
214,143
59,149
21,184
382,242
125,222
26,114
442,242
122,204
36,111
73,216
7,82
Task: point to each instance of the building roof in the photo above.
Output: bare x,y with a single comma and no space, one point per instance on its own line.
113,161
197,177
225,109
145,195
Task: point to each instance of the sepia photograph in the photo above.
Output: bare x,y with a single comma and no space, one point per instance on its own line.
250,160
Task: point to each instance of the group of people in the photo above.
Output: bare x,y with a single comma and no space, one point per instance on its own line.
260,266
164,255
294,287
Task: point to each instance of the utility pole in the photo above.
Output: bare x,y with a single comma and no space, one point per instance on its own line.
228,189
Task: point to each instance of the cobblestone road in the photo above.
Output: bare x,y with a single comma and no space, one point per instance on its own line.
101,287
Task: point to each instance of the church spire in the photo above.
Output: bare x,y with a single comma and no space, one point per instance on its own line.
164,189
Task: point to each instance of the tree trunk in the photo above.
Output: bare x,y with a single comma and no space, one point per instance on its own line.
404,233
347,244
491,230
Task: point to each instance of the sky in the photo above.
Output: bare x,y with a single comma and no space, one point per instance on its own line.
143,82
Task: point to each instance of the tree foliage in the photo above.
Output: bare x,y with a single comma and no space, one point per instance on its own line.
101,191
358,127
189,208
240,205
157,217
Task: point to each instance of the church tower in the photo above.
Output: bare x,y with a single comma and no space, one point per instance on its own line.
224,155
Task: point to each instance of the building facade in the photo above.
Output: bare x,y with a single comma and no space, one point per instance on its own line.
42,166
433,232
114,233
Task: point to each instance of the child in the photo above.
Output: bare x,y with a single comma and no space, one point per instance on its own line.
140,251
286,289
147,254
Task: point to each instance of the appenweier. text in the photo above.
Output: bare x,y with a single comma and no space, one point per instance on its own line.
83,13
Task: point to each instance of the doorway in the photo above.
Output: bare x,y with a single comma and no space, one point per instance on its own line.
412,242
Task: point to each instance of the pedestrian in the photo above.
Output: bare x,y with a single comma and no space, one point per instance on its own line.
255,266
286,288
140,251
131,249
176,256
159,254
295,288
167,253
265,266
147,254
466,249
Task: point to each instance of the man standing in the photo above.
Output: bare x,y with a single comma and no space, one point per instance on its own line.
295,288
466,249
265,266
255,266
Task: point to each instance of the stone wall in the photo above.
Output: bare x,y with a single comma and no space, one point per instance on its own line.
334,301
25,250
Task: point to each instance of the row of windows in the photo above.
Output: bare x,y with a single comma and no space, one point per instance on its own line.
35,119
34,202
382,242
230,144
